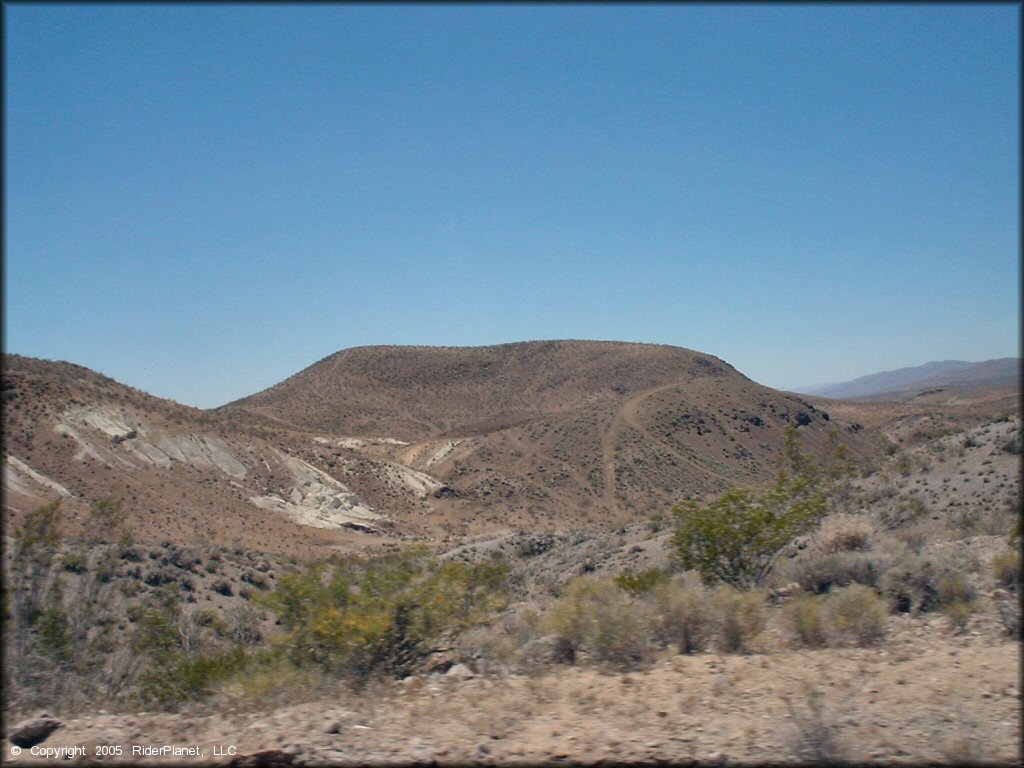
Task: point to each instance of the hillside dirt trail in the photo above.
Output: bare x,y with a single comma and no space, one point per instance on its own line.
628,416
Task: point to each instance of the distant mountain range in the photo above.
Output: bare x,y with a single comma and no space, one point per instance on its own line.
941,374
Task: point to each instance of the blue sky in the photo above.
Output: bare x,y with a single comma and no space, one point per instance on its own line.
203,200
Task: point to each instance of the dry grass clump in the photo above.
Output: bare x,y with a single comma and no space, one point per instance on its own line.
1006,570
853,613
845,533
857,613
271,681
741,618
805,617
957,598
685,615
598,619
818,574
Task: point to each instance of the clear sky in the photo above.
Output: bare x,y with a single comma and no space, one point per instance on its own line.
203,200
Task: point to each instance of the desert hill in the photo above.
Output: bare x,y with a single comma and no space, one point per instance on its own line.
597,430
382,445
420,393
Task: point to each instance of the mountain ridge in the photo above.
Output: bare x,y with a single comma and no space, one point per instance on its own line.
912,380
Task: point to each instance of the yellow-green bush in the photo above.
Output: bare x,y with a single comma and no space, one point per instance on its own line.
382,615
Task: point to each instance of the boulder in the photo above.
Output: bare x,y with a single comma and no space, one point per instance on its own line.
28,733
459,672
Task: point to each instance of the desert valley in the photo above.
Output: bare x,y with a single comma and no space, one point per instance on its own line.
452,555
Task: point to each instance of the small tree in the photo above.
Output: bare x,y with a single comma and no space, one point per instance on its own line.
736,538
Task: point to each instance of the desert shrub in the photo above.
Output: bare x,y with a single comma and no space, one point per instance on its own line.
107,521
684,614
382,615
903,510
740,618
920,584
818,574
912,584
185,659
737,537
1006,570
959,614
805,617
60,645
844,533
642,582
258,580
243,625
223,587
74,562
957,598
1008,610
1010,443
955,587
857,613
531,545
596,617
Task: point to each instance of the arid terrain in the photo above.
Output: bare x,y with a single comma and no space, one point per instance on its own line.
180,533
384,445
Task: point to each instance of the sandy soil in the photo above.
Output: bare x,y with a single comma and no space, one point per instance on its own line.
925,696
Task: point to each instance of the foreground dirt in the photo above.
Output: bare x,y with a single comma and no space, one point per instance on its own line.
925,696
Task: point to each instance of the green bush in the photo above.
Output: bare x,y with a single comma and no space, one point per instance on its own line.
182,663
736,538
857,613
684,615
74,562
